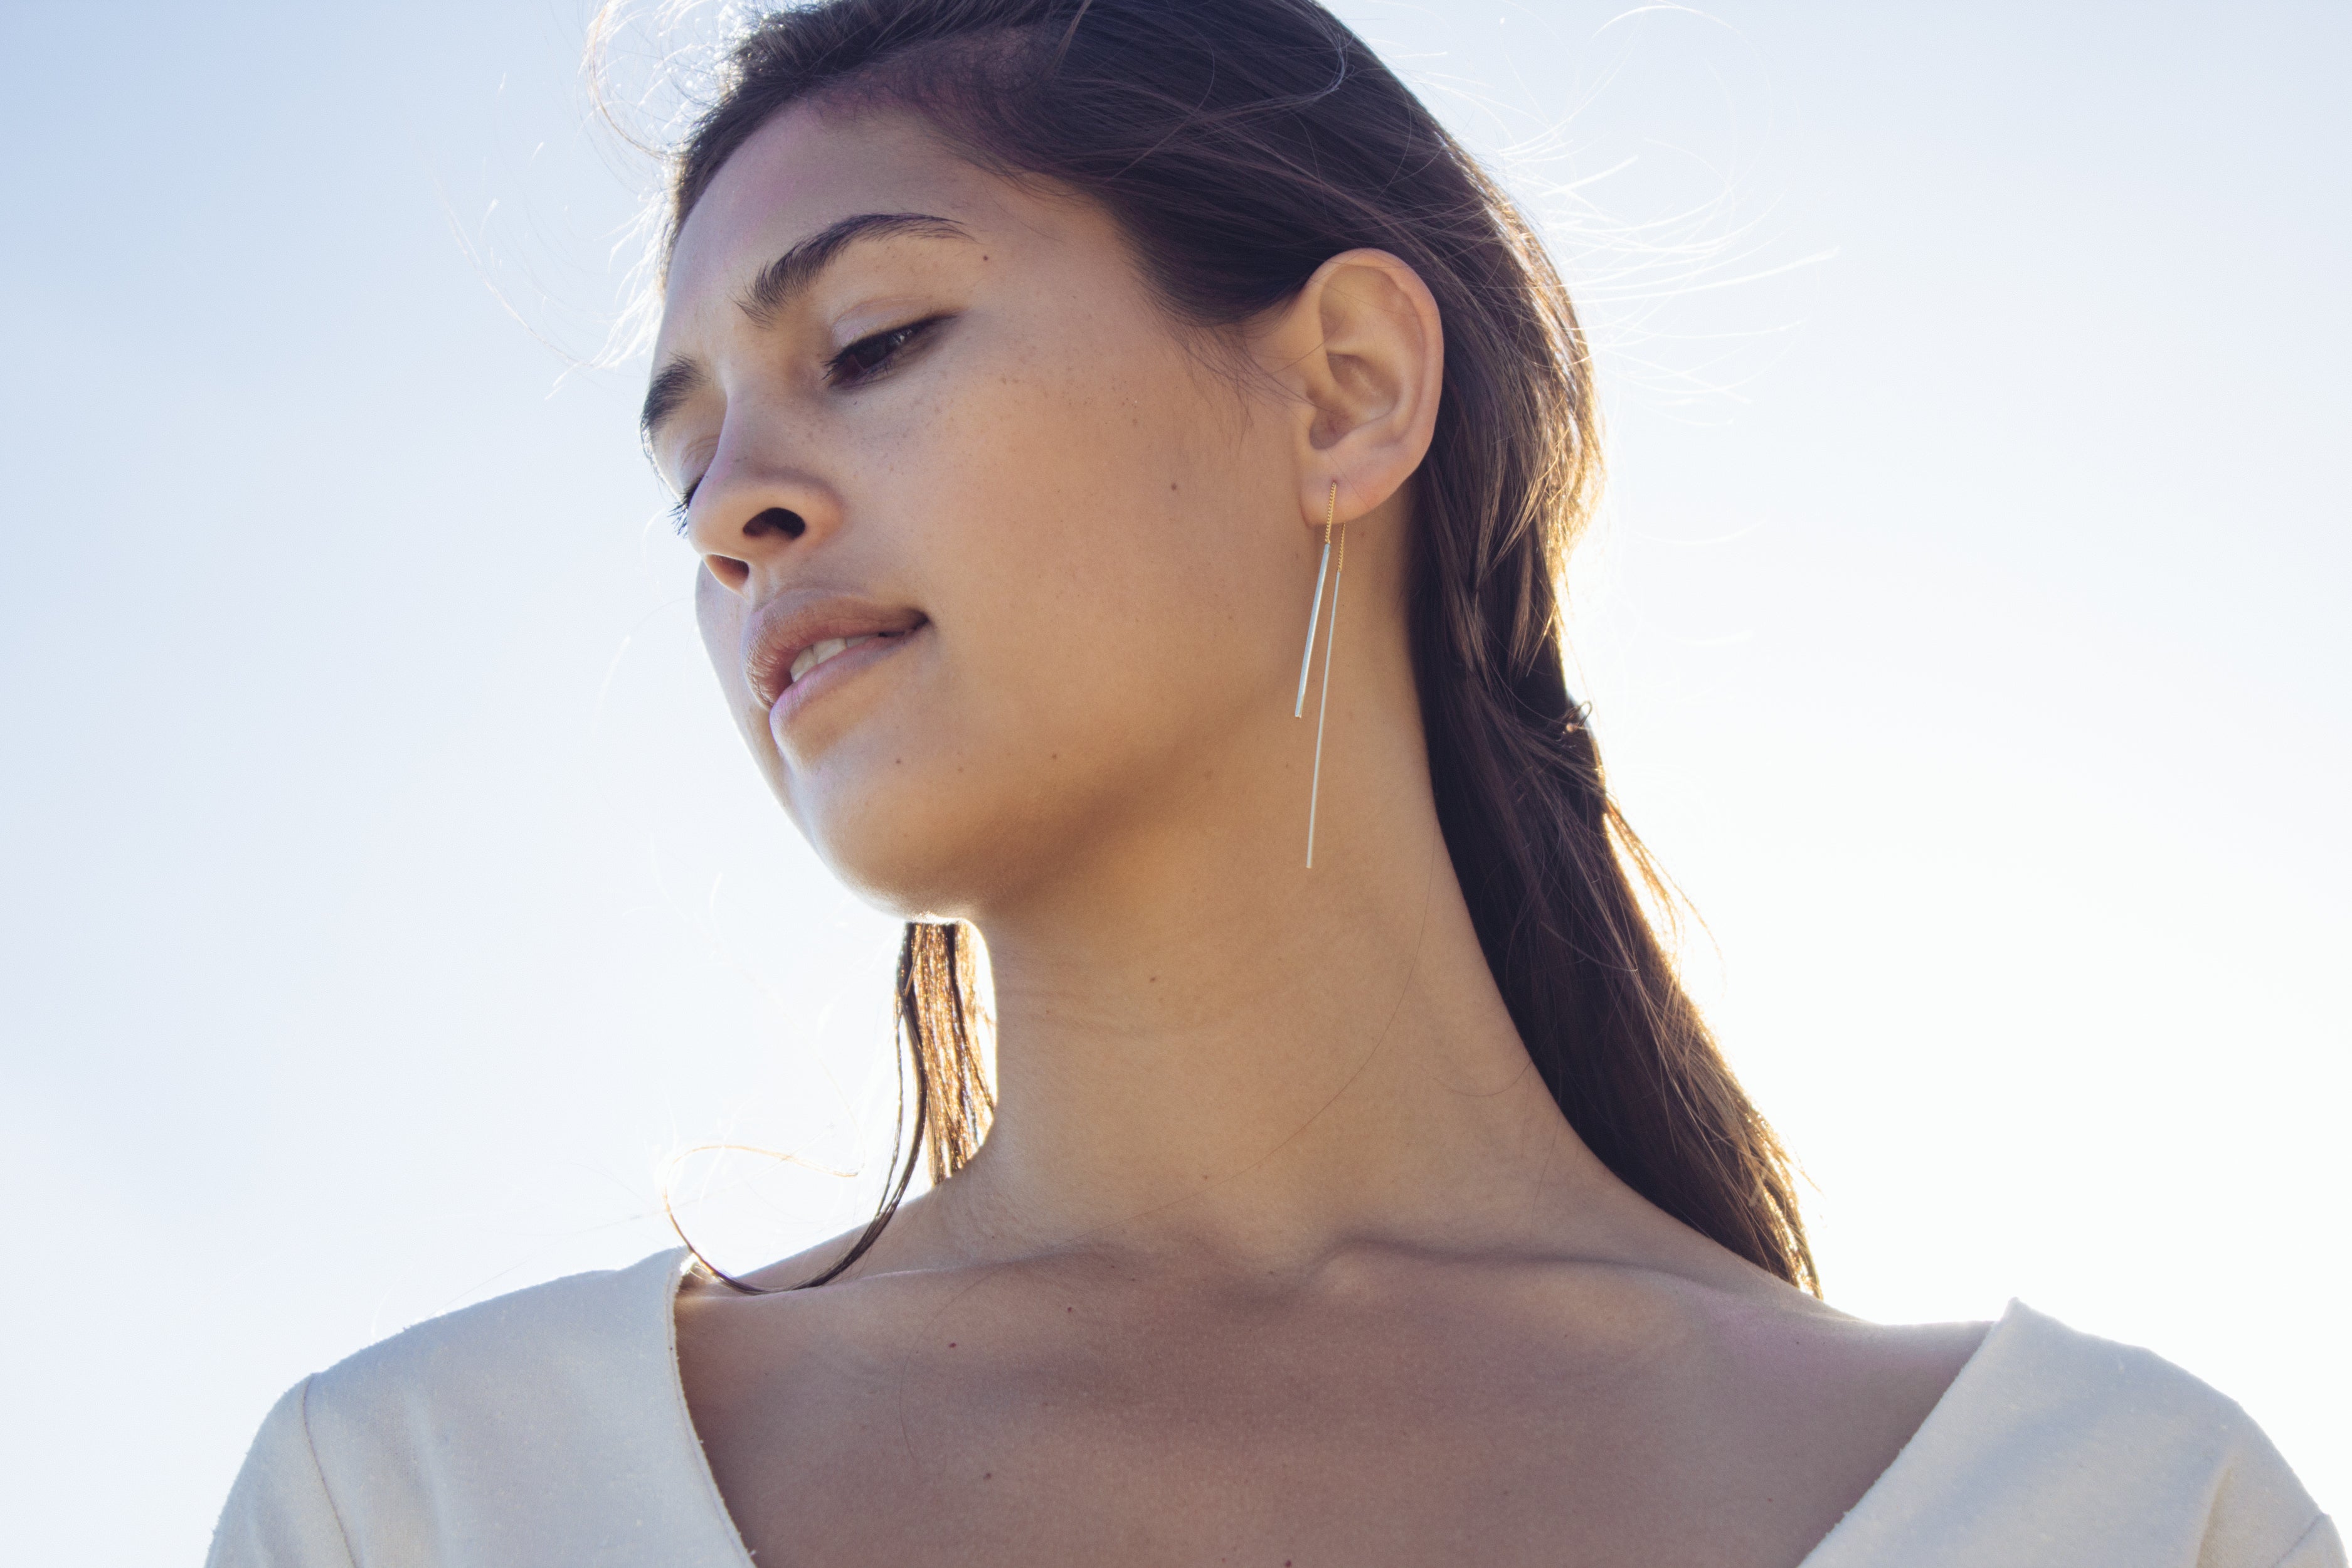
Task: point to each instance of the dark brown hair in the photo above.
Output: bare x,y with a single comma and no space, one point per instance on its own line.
1240,144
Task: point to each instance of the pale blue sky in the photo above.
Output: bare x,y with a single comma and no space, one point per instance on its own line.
388,894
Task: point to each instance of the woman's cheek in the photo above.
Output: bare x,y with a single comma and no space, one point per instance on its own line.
719,614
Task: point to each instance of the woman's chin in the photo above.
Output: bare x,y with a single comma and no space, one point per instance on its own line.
911,853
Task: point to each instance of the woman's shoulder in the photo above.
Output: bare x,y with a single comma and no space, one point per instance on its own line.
581,1338
541,1425
2053,1445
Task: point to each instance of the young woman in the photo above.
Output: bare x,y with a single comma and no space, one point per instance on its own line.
1132,451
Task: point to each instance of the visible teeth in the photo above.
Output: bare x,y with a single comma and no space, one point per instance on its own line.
817,653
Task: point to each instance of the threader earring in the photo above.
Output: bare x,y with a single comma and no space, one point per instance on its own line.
1307,660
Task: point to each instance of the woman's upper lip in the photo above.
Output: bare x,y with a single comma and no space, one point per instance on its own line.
791,623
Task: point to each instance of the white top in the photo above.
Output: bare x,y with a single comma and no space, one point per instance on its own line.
547,1429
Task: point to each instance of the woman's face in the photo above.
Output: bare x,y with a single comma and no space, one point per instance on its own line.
918,404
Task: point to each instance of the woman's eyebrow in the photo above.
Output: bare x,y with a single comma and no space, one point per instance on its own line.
678,380
796,269
779,283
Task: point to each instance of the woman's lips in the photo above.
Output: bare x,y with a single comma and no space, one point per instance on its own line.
825,665
796,633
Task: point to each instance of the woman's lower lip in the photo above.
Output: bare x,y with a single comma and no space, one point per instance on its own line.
830,674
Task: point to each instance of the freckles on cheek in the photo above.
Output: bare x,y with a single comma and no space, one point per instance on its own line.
1040,482
1082,423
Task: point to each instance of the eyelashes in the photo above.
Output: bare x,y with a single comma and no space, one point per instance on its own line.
872,355
864,362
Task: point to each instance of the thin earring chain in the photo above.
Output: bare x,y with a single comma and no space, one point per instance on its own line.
1331,641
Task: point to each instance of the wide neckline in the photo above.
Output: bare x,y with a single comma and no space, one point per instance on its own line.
1887,1489
1888,1483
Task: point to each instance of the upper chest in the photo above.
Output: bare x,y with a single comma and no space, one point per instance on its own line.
1009,1421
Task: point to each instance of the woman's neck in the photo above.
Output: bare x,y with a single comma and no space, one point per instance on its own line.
1210,1048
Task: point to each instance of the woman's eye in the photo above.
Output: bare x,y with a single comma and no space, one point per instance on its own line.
870,356
682,513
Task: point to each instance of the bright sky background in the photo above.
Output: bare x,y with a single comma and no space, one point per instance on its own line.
387,896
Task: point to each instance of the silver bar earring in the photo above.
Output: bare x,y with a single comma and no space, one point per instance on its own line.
1315,607
1331,641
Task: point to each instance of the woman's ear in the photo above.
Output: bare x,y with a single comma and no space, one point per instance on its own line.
1362,351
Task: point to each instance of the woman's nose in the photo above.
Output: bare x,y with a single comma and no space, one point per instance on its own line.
749,525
